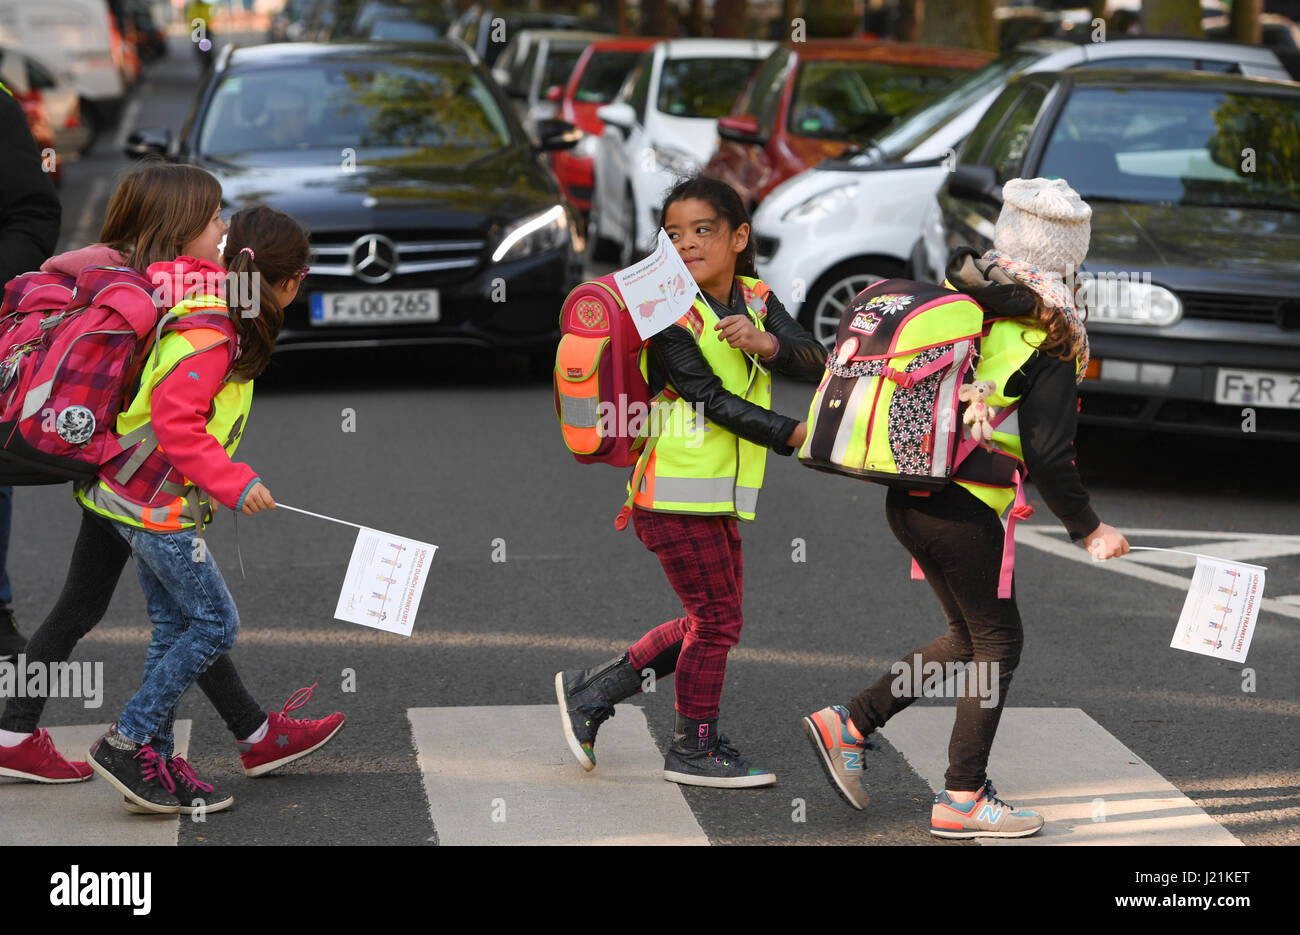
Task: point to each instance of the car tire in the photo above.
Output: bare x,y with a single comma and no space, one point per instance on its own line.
600,249
821,313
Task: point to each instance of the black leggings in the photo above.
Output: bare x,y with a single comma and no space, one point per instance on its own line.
957,541
97,562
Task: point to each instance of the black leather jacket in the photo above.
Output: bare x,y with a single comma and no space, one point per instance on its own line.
675,360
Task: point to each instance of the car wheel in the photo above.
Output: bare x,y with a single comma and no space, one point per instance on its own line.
600,248
628,254
834,292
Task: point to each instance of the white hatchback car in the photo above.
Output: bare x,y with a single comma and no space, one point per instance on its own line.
826,234
662,126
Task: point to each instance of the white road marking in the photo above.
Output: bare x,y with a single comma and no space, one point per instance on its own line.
129,117
81,813
1044,540
87,230
1089,787
504,775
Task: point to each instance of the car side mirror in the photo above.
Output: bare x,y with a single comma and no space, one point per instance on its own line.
620,115
556,134
741,129
975,183
554,93
148,142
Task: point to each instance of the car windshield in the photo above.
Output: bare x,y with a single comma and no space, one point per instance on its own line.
603,76
920,125
703,87
856,100
440,107
1190,147
559,66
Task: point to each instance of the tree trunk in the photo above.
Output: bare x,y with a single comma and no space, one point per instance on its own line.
616,12
695,19
655,20
964,23
1245,20
831,19
729,18
910,14
1172,18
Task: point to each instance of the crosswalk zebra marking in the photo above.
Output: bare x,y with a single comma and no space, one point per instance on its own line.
504,775
81,813
1089,787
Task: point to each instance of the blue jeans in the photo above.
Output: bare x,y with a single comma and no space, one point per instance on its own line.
194,622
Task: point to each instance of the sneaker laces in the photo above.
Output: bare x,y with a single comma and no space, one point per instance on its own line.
185,772
297,700
992,794
155,768
46,743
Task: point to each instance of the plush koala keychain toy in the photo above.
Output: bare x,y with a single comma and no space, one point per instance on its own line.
978,412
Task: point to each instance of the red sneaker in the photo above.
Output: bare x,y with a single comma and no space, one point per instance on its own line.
288,738
36,759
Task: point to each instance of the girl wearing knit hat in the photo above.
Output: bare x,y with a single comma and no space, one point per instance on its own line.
1035,352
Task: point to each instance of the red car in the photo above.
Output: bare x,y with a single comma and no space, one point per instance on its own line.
812,100
596,79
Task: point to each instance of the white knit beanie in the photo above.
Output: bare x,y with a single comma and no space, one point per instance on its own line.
1044,223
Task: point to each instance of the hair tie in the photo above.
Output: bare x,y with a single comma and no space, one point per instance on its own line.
249,251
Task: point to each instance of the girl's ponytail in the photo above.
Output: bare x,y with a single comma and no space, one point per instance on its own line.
273,247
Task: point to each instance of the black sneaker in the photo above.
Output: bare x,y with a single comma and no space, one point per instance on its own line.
700,756
11,641
587,698
195,795
138,772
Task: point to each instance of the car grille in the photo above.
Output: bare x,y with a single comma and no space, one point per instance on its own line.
1235,307
417,252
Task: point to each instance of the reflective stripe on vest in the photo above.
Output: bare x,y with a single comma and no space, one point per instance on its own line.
696,465
1002,353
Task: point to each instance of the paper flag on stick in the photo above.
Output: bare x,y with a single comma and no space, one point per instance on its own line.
1219,614
384,582
657,290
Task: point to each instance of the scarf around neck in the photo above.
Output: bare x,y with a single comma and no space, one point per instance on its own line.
1051,288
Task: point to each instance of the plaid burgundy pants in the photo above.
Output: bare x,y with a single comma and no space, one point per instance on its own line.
701,556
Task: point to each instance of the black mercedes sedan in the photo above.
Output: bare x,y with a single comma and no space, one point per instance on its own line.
433,217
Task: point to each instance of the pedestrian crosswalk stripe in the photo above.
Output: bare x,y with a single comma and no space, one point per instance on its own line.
504,775
81,813
1059,762
1047,539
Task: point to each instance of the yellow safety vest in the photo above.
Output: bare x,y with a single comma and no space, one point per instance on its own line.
691,464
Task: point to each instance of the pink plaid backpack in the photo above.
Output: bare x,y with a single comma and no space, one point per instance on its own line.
71,353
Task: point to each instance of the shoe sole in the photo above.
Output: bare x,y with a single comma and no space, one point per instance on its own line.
570,737
32,777
944,833
823,757
185,809
276,764
737,782
151,808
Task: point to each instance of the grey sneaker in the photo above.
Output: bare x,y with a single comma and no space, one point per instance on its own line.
138,772
195,795
984,816
587,697
700,756
840,753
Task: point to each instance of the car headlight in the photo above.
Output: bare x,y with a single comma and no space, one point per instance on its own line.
675,160
1128,299
536,233
821,204
587,146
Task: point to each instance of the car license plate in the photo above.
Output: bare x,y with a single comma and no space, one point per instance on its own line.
374,308
1258,388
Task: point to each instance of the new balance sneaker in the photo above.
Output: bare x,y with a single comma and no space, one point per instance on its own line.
288,738
137,771
587,698
37,760
983,816
840,752
11,641
194,794
700,756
